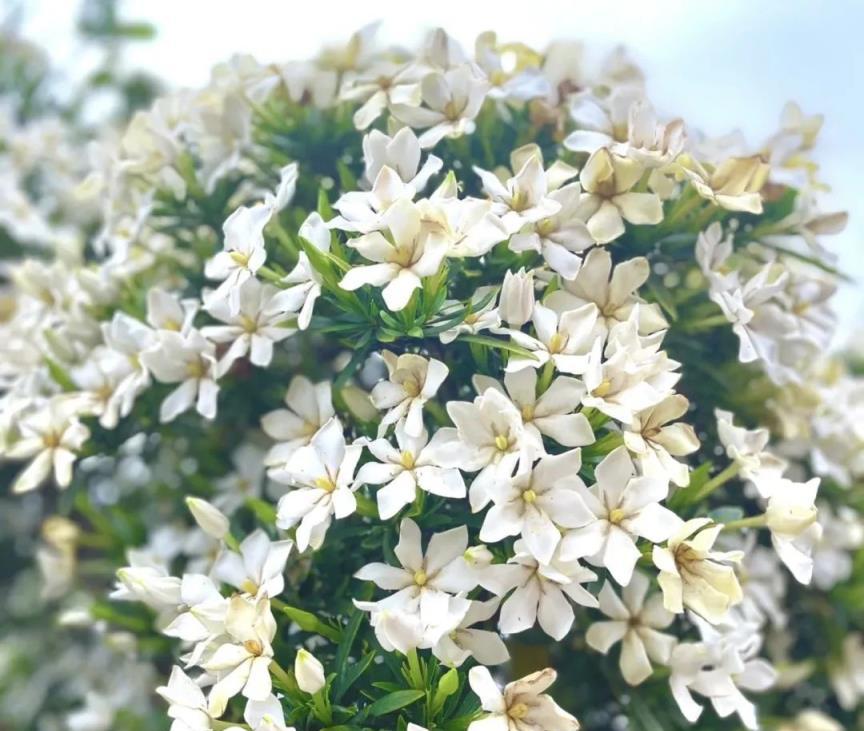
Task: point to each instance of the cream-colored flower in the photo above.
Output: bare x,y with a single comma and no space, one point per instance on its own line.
694,576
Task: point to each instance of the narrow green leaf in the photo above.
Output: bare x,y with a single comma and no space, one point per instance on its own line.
395,701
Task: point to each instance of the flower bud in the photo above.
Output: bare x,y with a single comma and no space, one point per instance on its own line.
208,517
516,303
790,519
308,671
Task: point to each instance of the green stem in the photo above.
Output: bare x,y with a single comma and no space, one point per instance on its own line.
546,376
706,323
718,480
270,275
755,521
415,672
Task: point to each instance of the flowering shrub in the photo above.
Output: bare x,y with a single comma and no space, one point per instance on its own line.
385,379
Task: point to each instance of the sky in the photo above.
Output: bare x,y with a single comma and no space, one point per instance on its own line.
720,65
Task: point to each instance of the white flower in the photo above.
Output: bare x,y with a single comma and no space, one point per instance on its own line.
401,153
208,517
614,291
522,199
261,321
791,517
259,568
485,646
243,254
552,413
401,471
166,311
148,584
734,184
304,279
187,704
425,583
630,375
846,674
241,664
607,200
308,671
200,611
266,715
452,100
523,706
842,535
565,339
541,592
481,317
718,668
489,437
561,237
412,381
414,252
128,338
636,624
516,301
382,84
694,576
309,407
366,211
656,443
322,474
537,503
747,448
625,506
52,436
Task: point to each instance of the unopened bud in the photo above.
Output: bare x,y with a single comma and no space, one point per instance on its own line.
516,303
208,517
308,671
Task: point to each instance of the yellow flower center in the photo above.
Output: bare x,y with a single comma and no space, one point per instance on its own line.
239,258
502,443
527,412
408,461
172,325
196,369
253,647
616,516
325,484
411,387
529,496
557,343
249,586
518,711
603,388
420,578
546,227
51,440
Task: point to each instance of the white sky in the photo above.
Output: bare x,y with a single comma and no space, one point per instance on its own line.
719,65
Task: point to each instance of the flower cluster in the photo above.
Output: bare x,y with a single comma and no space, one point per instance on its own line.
447,354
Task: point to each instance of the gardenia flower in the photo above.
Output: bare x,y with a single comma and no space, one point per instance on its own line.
540,591
258,569
607,199
241,664
516,301
379,86
266,715
791,516
261,321
489,438
552,413
565,339
625,506
614,291
308,671
243,254
208,517
414,252
521,199
51,435
523,706
694,576
484,645
304,279
187,704
189,360
425,583
412,381
747,448
401,153
481,317
656,443
200,612
309,408
401,471
166,311
451,100
636,624
538,503
734,184
322,475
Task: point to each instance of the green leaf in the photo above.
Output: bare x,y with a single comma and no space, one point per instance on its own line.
505,345
395,701
310,623
60,376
